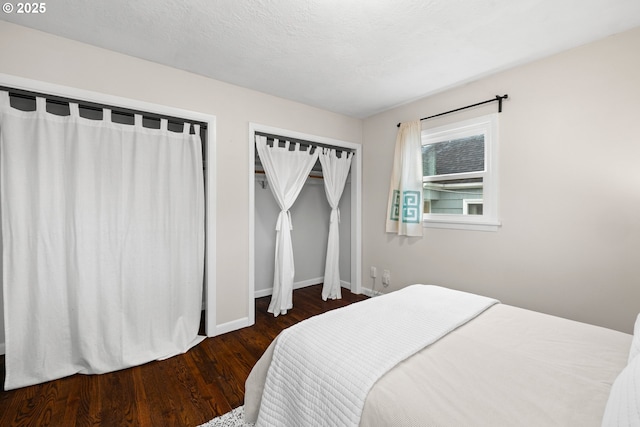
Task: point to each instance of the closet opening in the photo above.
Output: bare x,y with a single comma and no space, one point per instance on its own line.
310,217
91,106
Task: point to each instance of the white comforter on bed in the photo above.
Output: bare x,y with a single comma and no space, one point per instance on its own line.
317,379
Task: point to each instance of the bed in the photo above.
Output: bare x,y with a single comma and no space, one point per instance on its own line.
503,366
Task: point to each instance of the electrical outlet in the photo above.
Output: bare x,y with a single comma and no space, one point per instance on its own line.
386,278
374,272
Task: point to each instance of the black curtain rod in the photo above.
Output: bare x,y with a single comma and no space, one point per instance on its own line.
302,141
61,100
497,98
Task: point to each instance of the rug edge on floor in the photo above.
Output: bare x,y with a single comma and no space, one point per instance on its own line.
233,418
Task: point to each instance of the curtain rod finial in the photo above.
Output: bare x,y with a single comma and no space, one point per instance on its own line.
499,99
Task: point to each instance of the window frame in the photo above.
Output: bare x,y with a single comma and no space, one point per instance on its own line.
488,221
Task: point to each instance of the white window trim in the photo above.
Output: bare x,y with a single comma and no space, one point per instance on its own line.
489,220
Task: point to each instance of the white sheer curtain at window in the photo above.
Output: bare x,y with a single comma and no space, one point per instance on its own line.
405,206
287,169
335,171
103,243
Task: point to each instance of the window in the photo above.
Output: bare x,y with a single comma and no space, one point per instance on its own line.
459,168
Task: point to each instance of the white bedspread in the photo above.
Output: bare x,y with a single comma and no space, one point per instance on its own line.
315,379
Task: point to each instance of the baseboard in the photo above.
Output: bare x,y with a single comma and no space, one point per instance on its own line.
308,282
232,326
297,285
371,293
263,293
244,322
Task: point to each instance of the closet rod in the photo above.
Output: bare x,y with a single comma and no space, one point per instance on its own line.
303,141
497,98
61,100
310,176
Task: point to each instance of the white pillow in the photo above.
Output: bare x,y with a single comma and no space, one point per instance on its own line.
623,406
635,343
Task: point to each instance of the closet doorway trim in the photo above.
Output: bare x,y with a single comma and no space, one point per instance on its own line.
356,204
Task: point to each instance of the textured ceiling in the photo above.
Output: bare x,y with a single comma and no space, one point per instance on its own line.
355,57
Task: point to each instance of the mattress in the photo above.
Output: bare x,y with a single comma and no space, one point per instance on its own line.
507,367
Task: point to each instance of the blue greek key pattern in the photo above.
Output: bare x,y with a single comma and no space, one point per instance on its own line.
410,207
395,206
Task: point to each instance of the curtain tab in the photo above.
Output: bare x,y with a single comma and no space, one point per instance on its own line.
74,109
5,100
41,104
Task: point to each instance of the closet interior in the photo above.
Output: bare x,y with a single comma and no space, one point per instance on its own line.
310,217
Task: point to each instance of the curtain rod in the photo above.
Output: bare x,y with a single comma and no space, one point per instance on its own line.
497,98
61,100
303,141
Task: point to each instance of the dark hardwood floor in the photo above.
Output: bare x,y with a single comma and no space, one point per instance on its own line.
185,390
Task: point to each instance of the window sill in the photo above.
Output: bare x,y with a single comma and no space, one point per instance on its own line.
461,224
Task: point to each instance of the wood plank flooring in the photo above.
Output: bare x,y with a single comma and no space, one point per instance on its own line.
186,390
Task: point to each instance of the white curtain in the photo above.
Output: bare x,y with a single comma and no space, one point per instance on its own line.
405,205
335,171
287,169
103,243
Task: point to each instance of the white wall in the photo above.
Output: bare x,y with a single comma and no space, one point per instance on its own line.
40,56
569,185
